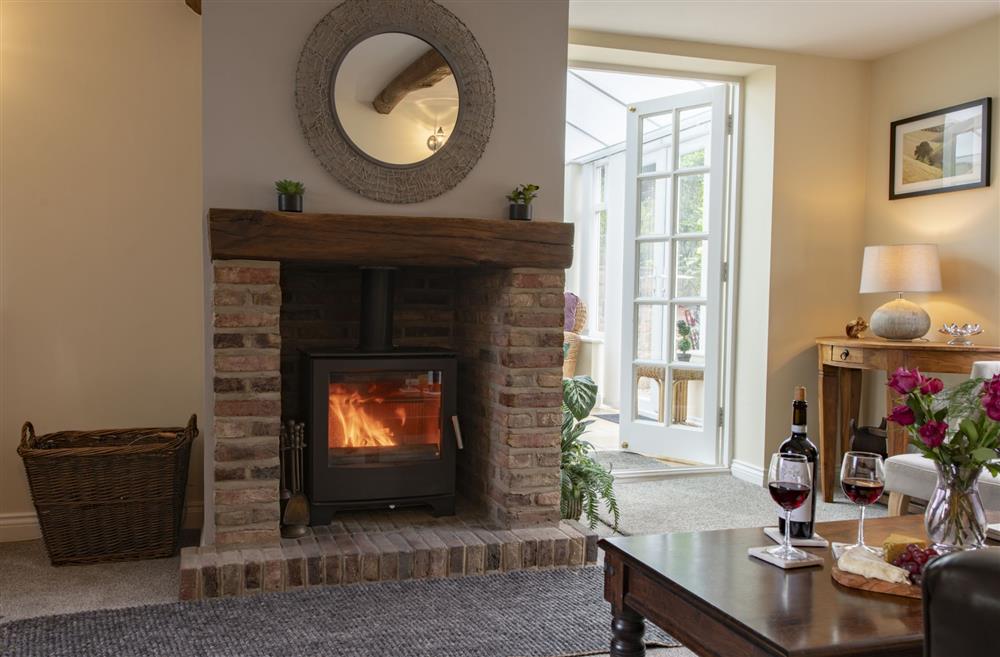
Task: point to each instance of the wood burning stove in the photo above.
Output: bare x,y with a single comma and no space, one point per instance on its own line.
380,421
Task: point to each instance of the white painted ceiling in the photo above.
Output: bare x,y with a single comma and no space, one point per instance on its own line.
853,29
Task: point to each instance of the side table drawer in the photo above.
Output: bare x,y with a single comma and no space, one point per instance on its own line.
846,355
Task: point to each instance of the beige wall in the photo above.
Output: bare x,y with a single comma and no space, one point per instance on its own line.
252,134
100,225
951,69
801,225
754,265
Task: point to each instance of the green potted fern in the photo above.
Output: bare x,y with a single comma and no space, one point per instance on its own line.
584,482
289,195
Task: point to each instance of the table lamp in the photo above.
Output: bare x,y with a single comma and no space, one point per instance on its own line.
900,268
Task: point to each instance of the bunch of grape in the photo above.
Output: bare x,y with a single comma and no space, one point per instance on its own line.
913,559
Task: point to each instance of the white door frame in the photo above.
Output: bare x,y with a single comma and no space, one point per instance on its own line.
733,223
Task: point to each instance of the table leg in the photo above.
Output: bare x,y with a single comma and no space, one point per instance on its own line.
627,629
829,402
850,404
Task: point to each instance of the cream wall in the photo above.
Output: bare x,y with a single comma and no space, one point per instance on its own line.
100,226
801,232
252,134
951,69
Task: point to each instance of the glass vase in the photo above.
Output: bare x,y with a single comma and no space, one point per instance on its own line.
955,518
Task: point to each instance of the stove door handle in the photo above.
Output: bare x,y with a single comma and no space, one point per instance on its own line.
458,432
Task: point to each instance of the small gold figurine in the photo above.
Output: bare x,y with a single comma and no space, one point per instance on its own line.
856,328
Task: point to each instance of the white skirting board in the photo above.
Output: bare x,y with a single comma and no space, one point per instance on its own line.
23,526
19,527
747,472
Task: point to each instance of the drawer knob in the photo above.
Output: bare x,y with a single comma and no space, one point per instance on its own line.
845,354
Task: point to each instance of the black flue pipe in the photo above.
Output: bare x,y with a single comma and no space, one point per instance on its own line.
377,290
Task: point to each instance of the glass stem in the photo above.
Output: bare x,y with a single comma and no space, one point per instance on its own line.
861,527
788,530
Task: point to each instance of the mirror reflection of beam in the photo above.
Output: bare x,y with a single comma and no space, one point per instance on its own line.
425,71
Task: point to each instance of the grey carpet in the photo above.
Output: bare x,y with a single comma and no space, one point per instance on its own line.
31,586
521,614
610,417
619,460
719,501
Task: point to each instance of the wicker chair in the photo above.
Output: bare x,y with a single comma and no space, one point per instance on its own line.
574,322
658,373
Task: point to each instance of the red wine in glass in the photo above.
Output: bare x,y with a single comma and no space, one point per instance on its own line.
862,477
863,491
788,494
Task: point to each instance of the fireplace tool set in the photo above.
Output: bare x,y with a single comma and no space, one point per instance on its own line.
295,519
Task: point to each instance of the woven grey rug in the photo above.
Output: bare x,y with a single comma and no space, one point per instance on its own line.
523,614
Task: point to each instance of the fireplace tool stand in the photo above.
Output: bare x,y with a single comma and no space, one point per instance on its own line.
295,519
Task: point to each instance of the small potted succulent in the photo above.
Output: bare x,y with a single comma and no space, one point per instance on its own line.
684,343
520,202
289,195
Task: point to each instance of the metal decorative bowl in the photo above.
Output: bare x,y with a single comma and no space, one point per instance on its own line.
960,334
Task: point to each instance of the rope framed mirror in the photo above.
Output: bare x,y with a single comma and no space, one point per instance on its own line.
395,98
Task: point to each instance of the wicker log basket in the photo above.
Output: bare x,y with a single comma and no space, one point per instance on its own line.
108,495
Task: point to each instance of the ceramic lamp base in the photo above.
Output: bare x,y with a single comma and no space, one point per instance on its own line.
900,320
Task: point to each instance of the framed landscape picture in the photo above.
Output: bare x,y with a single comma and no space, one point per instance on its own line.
941,151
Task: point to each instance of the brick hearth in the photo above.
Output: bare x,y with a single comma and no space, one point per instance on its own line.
382,546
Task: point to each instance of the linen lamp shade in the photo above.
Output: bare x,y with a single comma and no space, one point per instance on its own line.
901,268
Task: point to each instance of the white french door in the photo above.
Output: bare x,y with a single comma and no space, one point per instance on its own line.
673,257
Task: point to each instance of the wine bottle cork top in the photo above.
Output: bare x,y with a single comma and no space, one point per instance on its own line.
800,393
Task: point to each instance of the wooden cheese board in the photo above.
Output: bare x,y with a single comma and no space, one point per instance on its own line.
853,581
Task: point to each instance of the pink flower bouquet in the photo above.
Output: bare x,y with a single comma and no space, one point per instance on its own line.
956,427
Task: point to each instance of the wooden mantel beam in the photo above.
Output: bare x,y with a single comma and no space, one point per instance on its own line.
389,241
425,71
195,5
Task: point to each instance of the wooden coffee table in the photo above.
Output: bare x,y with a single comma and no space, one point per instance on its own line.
704,590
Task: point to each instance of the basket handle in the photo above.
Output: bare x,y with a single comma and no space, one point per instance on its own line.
193,422
27,434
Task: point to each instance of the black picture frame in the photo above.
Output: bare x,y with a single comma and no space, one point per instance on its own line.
898,189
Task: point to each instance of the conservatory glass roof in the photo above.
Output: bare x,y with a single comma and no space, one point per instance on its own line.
597,101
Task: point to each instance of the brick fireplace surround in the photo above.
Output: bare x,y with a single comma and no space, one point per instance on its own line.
490,290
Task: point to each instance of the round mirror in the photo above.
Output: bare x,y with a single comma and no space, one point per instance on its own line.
377,93
396,98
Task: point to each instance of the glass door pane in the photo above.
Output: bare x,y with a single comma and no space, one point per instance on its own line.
381,417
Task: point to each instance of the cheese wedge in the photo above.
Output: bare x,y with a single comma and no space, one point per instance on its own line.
895,544
860,561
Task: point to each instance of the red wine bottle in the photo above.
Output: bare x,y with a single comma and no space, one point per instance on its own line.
798,443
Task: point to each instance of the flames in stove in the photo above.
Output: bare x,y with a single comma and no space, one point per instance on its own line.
355,418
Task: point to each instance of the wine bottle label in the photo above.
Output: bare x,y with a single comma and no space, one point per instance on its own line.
804,513
798,428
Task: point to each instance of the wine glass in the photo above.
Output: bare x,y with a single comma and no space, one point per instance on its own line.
863,480
789,480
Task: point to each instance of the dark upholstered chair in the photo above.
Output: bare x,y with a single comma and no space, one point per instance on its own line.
962,604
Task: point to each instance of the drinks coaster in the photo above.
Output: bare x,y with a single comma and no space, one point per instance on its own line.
816,541
839,548
763,554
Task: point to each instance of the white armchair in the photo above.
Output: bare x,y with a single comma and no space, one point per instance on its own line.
912,476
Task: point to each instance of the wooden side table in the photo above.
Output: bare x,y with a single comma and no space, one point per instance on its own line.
841,362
